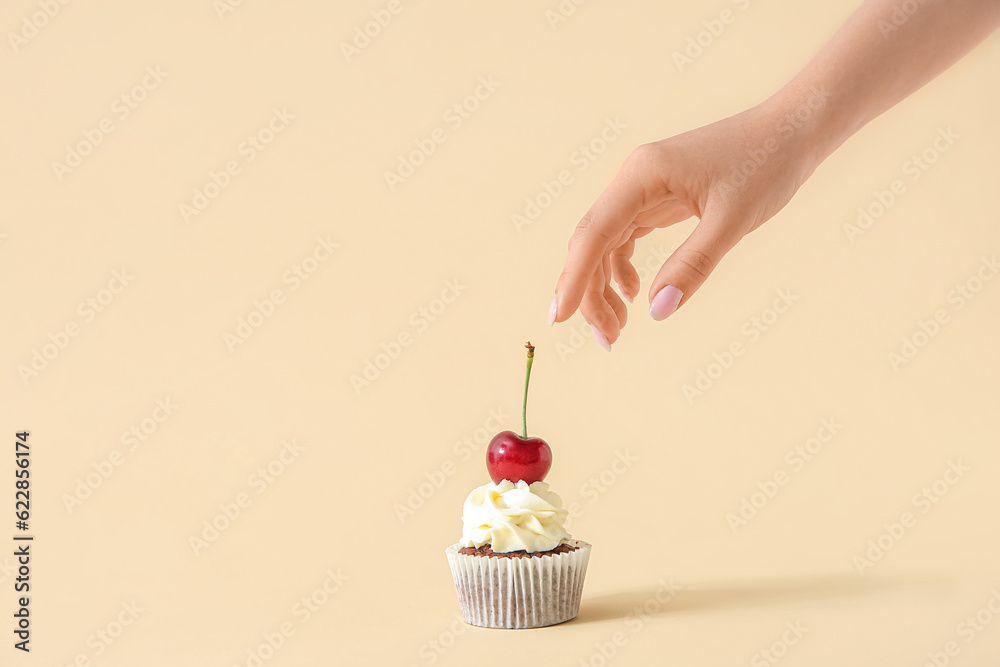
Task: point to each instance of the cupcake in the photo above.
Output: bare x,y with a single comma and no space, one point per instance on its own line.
515,565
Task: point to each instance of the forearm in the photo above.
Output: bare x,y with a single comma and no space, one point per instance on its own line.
886,50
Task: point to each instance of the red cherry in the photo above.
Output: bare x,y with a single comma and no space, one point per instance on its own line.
517,457
512,457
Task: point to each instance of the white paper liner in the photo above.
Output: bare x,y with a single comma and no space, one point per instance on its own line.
519,592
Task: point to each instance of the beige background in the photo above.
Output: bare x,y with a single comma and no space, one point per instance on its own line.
364,452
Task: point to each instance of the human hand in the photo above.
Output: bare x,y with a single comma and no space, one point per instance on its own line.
734,175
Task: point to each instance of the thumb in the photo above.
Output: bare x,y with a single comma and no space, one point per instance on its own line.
691,264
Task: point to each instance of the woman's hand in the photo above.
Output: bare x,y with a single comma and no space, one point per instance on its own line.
734,175
737,173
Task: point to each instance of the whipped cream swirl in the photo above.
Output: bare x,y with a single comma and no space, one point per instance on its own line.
513,517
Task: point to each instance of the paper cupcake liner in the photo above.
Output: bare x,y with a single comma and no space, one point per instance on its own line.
519,592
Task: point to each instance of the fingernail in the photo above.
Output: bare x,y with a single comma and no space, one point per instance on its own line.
624,293
553,307
601,338
665,302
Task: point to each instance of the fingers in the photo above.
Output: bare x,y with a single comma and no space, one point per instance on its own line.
595,235
664,214
622,270
603,308
612,298
691,264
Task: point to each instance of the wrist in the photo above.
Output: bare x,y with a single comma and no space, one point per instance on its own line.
812,118
799,119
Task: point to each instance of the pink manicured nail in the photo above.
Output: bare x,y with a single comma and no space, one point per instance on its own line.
553,307
601,338
624,293
665,302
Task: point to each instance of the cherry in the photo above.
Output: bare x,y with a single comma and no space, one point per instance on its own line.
517,457
512,457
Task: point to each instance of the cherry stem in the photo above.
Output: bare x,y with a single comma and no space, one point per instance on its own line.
527,376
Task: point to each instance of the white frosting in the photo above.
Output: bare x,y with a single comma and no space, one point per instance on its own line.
513,517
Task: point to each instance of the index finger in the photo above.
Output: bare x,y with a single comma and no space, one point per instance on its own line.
599,228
